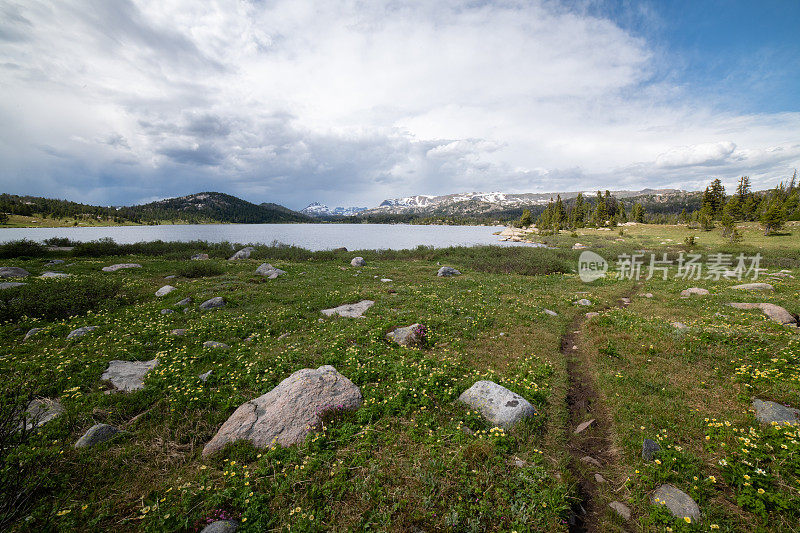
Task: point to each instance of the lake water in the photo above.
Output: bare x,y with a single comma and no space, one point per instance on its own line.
308,236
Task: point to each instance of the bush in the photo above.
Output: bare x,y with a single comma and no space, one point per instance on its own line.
200,269
58,241
22,248
55,299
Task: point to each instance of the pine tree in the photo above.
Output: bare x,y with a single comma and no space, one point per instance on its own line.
637,213
525,220
578,214
773,216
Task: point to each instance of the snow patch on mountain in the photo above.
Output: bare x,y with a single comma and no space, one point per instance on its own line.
316,209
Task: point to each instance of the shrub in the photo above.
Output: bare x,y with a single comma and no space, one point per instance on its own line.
200,269
22,248
58,241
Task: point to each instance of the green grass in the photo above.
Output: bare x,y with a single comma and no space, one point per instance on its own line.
404,459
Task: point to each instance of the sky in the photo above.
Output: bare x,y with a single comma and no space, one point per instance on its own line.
349,103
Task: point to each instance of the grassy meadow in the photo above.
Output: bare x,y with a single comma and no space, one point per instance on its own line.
411,458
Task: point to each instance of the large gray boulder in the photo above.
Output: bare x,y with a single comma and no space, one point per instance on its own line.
40,411
114,268
680,504
358,262
776,313
754,287
185,302
31,332
269,271
446,272
212,303
80,332
244,253
770,412
13,272
413,335
287,413
163,291
221,526
694,291
128,376
350,310
97,434
11,284
497,404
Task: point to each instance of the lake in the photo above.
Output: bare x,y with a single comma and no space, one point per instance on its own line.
309,236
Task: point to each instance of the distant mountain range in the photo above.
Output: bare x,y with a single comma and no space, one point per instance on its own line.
215,206
316,209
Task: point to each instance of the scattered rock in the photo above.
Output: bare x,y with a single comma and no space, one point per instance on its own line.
621,509
54,262
199,257
212,303
13,272
583,301
269,271
128,376
775,313
204,377
221,526
80,332
163,291
358,262
287,413
185,302
680,504
97,434
215,344
350,310
114,268
167,311
244,253
592,314
600,479
578,246
11,284
180,332
50,274
31,333
625,300
386,280
679,325
413,335
589,460
497,404
40,411
694,291
582,426
446,272
768,412
549,312
171,276
754,287
649,449
647,295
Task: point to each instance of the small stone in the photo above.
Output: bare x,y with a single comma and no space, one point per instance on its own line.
647,295
592,314
185,302
244,253
180,332
621,509
163,291
679,325
583,301
355,310
31,333
754,287
358,262
694,291
80,332
221,526
446,272
582,426
588,459
212,303
215,344
497,404
386,280
199,257
40,411
680,504
600,479
625,301
413,335
167,311
204,377
768,412
114,268
549,312
50,274
55,262
649,449
11,284
128,376
269,271
13,272
97,434
171,276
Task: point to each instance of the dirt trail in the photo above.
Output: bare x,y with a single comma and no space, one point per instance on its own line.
594,442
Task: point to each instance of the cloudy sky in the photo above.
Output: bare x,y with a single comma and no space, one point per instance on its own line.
348,103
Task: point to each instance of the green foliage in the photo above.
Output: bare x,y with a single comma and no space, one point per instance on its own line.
22,248
200,269
525,220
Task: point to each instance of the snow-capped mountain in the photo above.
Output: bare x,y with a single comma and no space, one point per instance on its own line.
316,209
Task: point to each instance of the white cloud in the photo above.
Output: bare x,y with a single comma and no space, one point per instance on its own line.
350,102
